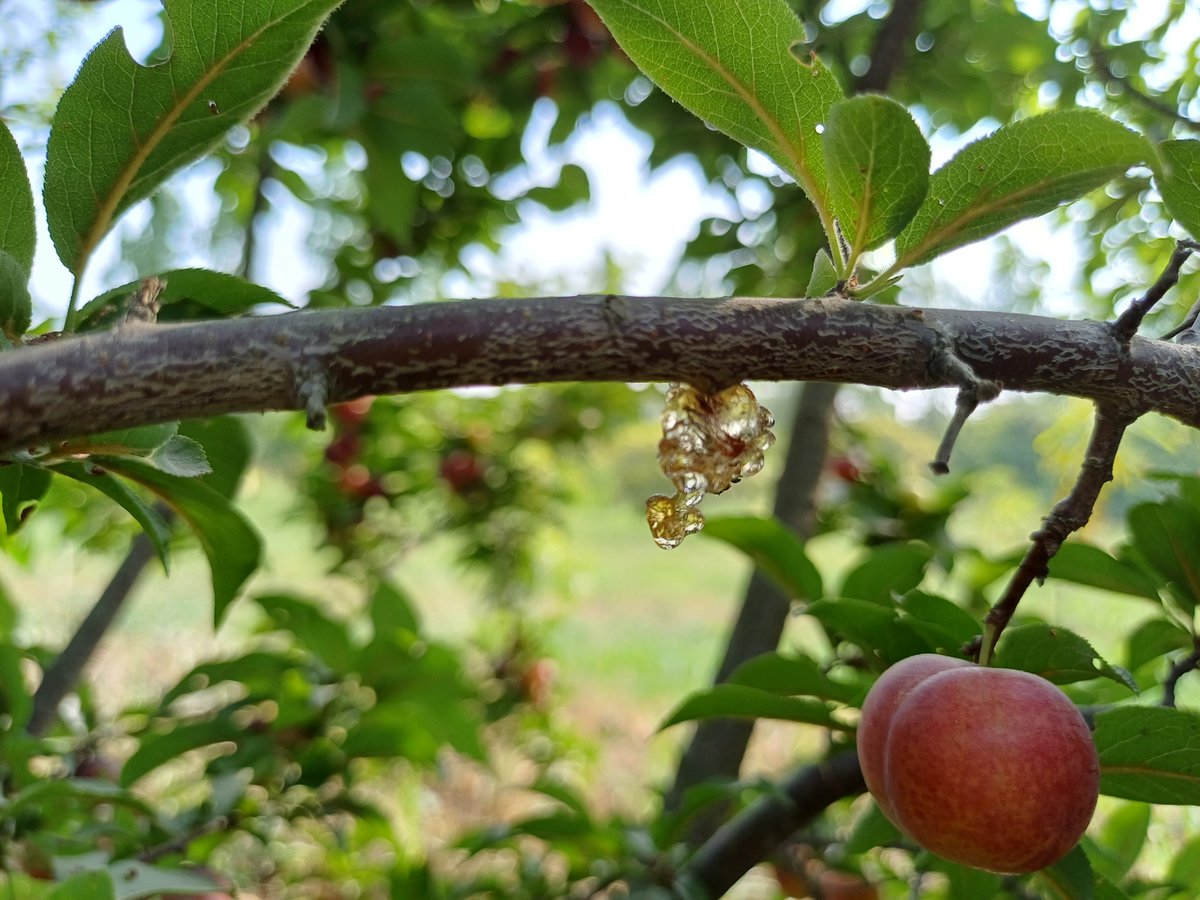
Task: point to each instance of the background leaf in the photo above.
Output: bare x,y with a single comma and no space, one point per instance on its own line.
1021,170
740,701
1084,564
18,228
731,63
143,513
16,305
878,165
888,571
21,486
875,628
1056,654
232,546
1166,535
227,55
189,294
791,676
1149,753
774,548
1179,182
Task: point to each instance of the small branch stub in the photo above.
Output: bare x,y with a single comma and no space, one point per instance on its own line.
710,442
313,393
972,390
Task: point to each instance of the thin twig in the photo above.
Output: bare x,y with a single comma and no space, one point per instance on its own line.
1100,58
62,676
1129,321
750,836
181,842
1179,668
1069,515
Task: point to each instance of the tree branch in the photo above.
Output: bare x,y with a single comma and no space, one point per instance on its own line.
125,377
1069,515
62,676
751,836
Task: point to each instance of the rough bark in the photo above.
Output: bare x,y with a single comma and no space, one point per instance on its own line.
138,374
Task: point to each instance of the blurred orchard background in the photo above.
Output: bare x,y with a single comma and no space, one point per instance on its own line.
429,150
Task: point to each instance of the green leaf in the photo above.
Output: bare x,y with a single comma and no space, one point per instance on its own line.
572,187
189,293
792,675
1179,182
1070,878
731,63
944,624
157,749
134,879
888,571
1084,564
226,444
1021,170
1166,535
232,546
324,637
1153,639
1149,753
21,487
92,885
740,701
181,456
1056,654
121,129
18,227
143,513
878,169
872,829
1185,867
16,305
138,441
824,276
875,628
1121,840
774,548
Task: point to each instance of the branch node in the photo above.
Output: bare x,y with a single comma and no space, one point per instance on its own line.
145,303
313,394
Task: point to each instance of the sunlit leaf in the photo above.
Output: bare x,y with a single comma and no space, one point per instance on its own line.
1019,171
121,129
739,66
16,305
1179,183
196,293
18,229
878,169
